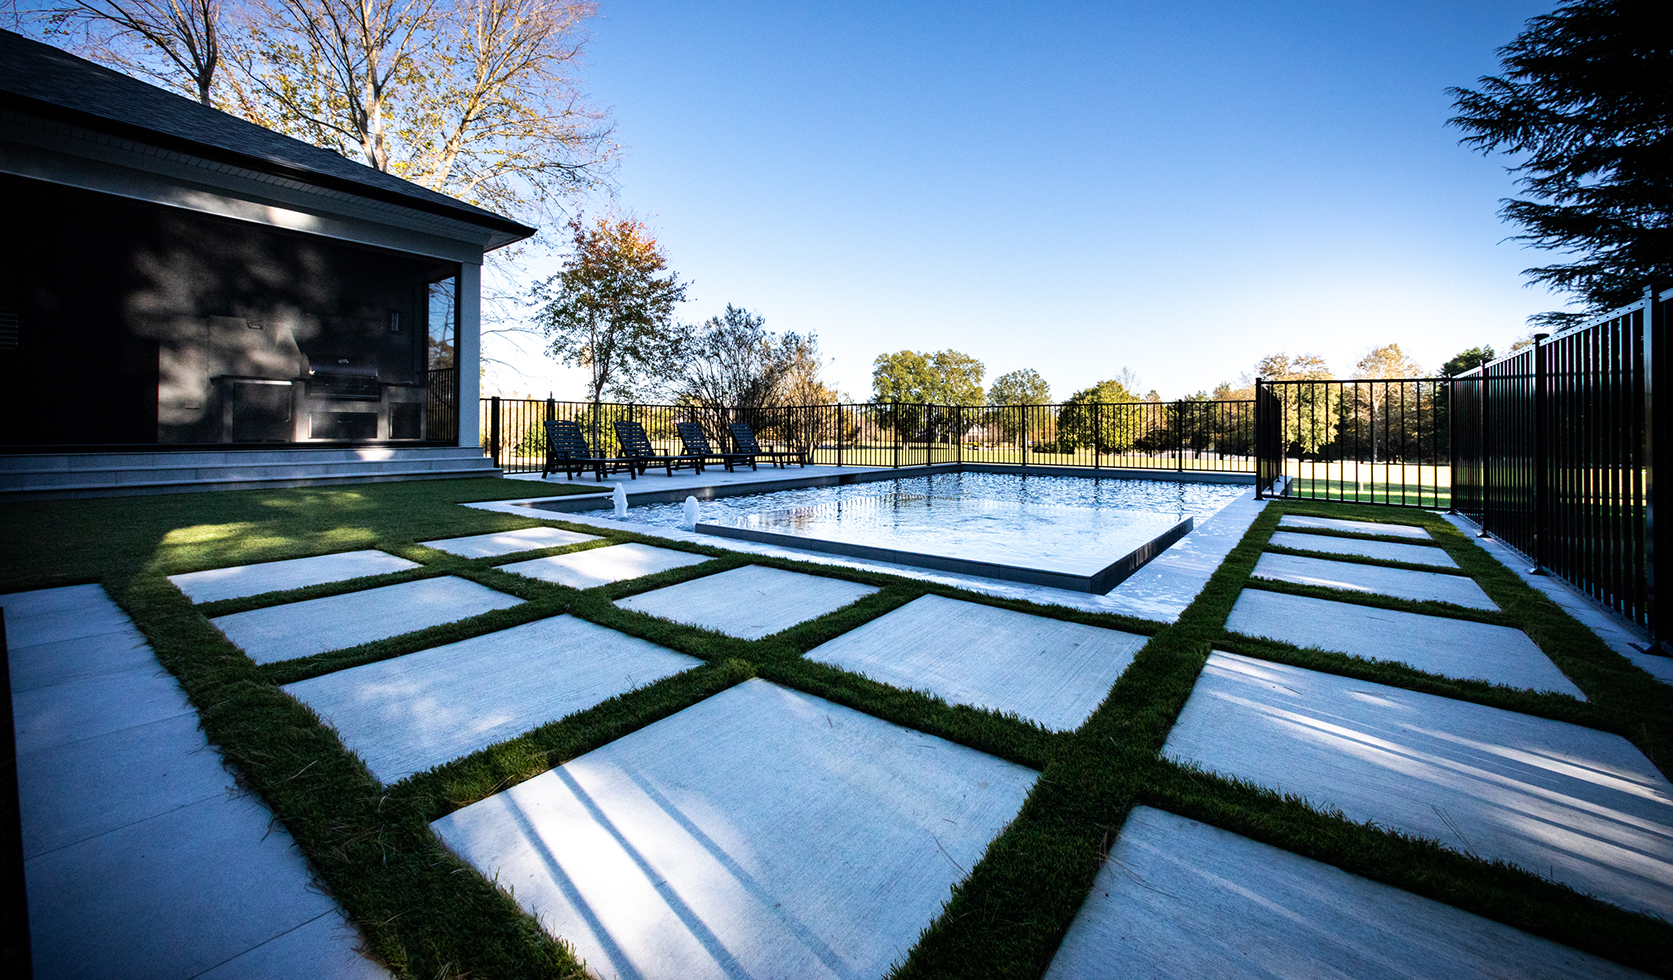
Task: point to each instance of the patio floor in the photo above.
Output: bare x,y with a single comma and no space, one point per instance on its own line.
760,829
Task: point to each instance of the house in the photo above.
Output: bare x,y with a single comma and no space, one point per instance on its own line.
188,300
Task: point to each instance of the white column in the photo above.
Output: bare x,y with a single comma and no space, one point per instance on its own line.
468,344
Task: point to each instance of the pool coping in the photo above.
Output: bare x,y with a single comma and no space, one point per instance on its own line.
1098,583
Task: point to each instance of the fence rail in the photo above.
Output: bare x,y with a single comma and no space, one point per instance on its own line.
1180,435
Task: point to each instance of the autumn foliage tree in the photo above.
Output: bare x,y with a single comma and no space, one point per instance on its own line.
610,309
477,99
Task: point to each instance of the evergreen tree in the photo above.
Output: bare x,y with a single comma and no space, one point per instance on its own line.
1585,100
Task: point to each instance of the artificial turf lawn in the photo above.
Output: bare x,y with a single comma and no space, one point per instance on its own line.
425,914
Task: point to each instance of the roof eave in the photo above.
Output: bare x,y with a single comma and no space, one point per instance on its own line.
503,231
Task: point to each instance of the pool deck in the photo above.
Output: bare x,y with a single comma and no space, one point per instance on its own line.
137,866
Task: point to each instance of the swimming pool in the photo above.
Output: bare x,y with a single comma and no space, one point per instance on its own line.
1178,497
1064,532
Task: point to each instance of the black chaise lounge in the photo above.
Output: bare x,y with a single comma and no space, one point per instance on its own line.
567,450
697,445
744,438
636,445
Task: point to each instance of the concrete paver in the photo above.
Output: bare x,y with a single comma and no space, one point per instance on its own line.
74,710
1451,647
601,566
155,899
1178,898
1399,583
1353,527
1574,804
748,602
141,857
45,664
1045,670
240,581
508,542
77,790
1412,554
410,713
301,629
762,832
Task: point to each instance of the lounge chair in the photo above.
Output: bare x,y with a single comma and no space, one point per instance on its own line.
636,445
744,438
567,450
697,446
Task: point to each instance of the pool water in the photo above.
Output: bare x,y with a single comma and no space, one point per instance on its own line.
1075,540
1063,532
1178,499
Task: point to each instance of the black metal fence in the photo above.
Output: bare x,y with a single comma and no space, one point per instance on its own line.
1180,435
1555,448
1381,440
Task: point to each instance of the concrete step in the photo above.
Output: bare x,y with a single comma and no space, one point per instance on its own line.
42,476
74,462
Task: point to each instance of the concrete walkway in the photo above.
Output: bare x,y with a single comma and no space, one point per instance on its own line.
142,857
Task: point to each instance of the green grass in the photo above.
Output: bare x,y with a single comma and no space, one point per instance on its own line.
427,915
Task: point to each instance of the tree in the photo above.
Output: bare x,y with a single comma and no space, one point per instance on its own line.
473,98
176,43
735,369
943,378
1283,367
1467,360
1586,99
1309,411
610,308
734,366
915,379
1387,361
1088,417
1022,387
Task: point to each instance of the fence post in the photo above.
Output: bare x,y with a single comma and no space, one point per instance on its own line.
1179,436
1097,434
958,433
1542,491
494,429
839,432
1656,600
1024,410
1481,451
1259,434
894,423
929,440
1451,446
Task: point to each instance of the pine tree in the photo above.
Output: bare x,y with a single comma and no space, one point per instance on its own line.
1585,100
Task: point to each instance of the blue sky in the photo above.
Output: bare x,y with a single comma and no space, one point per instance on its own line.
1174,188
